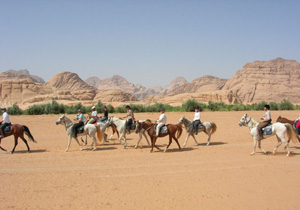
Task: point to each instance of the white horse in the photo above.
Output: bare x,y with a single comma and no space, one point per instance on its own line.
278,129
208,127
89,129
121,126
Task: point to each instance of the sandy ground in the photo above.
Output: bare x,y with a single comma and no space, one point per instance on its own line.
220,176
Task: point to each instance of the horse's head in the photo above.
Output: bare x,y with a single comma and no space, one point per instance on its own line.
138,127
244,120
181,120
61,120
279,119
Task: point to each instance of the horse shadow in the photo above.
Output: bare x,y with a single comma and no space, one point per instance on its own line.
212,143
100,149
31,151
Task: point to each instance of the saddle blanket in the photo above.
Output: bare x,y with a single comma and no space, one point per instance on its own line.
133,126
7,129
296,124
267,130
163,129
200,126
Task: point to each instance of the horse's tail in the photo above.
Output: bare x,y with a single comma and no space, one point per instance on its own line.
114,129
99,133
290,132
179,131
27,132
214,127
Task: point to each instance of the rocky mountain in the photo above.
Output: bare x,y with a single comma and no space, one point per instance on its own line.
177,82
93,81
20,74
272,80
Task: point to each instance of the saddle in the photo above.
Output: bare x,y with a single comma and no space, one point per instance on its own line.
132,126
163,129
7,129
297,129
267,130
200,126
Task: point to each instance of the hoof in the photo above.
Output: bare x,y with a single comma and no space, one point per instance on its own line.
11,152
66,150
252,153
207,144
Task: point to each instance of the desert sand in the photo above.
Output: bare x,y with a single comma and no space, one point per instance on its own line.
220,176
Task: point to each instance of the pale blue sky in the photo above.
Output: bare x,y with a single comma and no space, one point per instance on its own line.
147,42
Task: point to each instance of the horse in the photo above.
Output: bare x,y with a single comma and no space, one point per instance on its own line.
89,129
150,128
278,129
121,126
18,131
208,127
291,122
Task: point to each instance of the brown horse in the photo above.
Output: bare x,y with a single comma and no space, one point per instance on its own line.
18,131
150,128
291,122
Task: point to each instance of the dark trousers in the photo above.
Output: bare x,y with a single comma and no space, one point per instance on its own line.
75,126
260,126
103,119
196,124
2,126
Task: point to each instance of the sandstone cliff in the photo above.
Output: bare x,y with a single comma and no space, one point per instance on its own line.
272,80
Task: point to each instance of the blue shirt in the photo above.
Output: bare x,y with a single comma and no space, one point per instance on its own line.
81,116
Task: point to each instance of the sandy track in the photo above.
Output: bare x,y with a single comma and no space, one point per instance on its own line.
220,176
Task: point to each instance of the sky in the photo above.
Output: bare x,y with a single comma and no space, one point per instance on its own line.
149,42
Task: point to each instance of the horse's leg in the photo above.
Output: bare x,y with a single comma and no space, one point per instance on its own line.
278,144
95,143
140,138
69,143
144,134
170,141
85,143
78,144
196,143
16,143
2,147
187,137
104,139
155,138
176,140
259,146
25,141
209,136
152,143
254,145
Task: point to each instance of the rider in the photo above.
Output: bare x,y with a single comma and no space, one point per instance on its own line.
196,122
264,121
5,122
93,116
130,118
105,117
162,120
78,122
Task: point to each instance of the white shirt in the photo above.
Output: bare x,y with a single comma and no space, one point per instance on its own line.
267,115
197,116
94,114
162,118
5,118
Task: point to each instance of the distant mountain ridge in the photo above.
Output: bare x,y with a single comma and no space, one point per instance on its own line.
272,80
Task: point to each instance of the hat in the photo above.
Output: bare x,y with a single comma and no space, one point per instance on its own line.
197,107
78,110
93,107
105,107
127,106
162,109
3,108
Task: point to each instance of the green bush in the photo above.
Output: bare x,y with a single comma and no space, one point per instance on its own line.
14,110
286,105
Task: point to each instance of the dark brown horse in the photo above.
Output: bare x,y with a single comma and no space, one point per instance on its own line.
291,122
18,131
150,128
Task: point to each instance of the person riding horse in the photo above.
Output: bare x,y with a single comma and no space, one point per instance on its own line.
78,122
162,120
5,122
93,116
196,122
105,117
264,121
130,118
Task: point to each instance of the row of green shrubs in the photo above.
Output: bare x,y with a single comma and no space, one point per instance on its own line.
188,106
